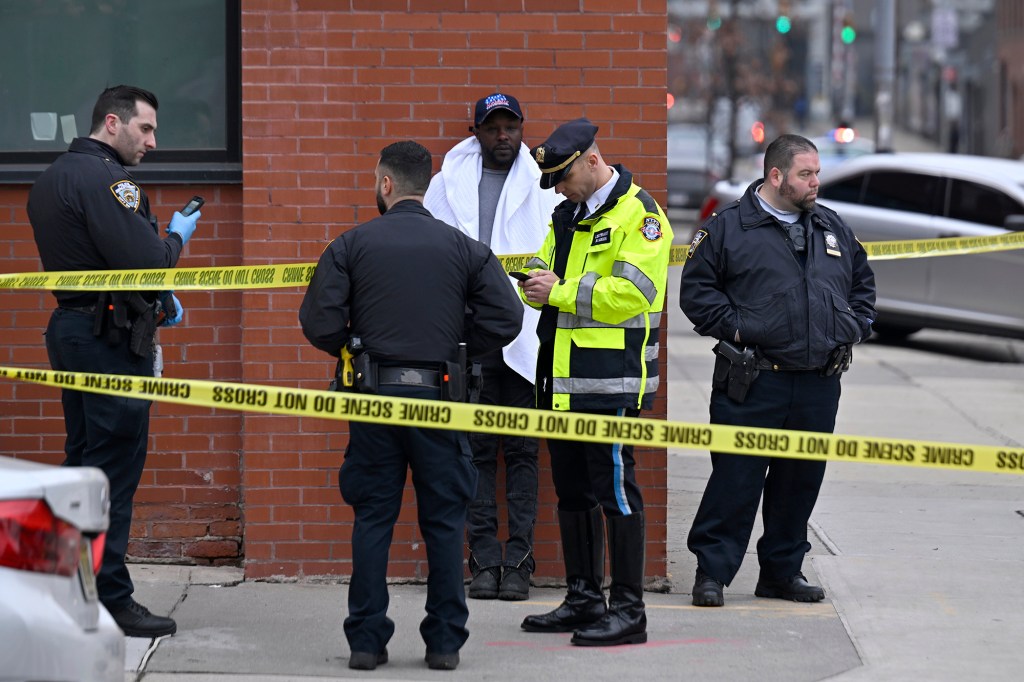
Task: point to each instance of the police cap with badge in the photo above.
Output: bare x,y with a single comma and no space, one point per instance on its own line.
556,155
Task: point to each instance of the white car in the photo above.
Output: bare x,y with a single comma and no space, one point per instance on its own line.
886,197
53,522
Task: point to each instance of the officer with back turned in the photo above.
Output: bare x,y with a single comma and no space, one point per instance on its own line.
87,213
402,292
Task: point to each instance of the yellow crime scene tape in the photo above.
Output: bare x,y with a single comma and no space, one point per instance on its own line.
299,274
535,423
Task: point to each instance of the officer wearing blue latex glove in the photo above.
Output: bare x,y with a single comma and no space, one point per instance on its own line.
88,213
172,308
183,226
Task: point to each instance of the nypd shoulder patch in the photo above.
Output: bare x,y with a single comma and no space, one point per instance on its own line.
697,239
651,229
127,193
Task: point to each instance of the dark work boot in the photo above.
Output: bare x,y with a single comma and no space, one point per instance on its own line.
583,550
795,588
626,620
707,591
135,620
515,580
485,580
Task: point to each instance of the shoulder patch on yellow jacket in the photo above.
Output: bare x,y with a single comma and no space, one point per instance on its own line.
651,229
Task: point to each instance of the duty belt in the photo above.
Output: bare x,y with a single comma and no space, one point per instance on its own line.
409,376
88,309
765,363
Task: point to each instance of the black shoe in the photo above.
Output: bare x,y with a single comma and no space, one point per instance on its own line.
707,591
794,589
442,661
573,613
618,626
135,620
364,660
515,584
485,583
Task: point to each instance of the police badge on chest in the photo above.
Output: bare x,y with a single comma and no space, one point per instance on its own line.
832,244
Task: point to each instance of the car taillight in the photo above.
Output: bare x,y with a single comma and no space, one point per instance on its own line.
706,209
33,539
98,544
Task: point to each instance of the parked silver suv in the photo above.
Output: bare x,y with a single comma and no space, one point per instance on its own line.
888,197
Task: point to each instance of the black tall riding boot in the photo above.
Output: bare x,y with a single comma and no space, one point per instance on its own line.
625,621
583,549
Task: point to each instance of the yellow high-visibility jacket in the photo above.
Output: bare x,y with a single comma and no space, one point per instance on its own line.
603,318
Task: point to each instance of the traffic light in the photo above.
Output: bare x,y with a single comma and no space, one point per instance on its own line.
783,23
714,16
848,33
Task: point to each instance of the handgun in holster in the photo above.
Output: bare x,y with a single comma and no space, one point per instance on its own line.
742,369
119,313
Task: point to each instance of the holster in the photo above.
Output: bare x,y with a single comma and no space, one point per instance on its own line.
742,369
476,382
454,388
364,369
126,312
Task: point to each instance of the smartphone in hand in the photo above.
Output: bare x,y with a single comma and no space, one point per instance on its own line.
192,206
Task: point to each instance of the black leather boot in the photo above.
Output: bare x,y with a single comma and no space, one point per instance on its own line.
626,620
583,549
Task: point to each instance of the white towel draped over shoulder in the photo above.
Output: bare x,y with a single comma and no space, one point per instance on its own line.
521,221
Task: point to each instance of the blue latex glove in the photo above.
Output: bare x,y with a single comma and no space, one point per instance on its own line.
183,226
169,299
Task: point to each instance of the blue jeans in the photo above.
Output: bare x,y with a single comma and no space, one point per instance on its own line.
503,386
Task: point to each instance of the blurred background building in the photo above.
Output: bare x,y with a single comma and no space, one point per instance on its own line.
751,69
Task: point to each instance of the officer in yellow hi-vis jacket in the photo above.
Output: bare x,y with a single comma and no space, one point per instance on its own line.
599,280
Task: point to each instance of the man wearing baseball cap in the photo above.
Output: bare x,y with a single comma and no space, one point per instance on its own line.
599,280
488,188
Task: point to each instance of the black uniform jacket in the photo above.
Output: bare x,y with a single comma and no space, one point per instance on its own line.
87,213
741,273
411,287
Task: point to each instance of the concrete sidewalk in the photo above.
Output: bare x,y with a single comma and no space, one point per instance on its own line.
271,631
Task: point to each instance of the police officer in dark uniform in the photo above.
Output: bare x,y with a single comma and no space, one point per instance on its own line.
402,292
87,213
786,288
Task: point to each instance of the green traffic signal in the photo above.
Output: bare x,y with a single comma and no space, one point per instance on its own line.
848,34
783,24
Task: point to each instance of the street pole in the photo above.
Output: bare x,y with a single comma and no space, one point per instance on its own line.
885,73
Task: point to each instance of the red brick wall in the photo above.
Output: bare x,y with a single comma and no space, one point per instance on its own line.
188,506
327,84
323,92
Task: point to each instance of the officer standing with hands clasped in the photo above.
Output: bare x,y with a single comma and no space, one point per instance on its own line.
401,293
599,280
87,213
785,287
